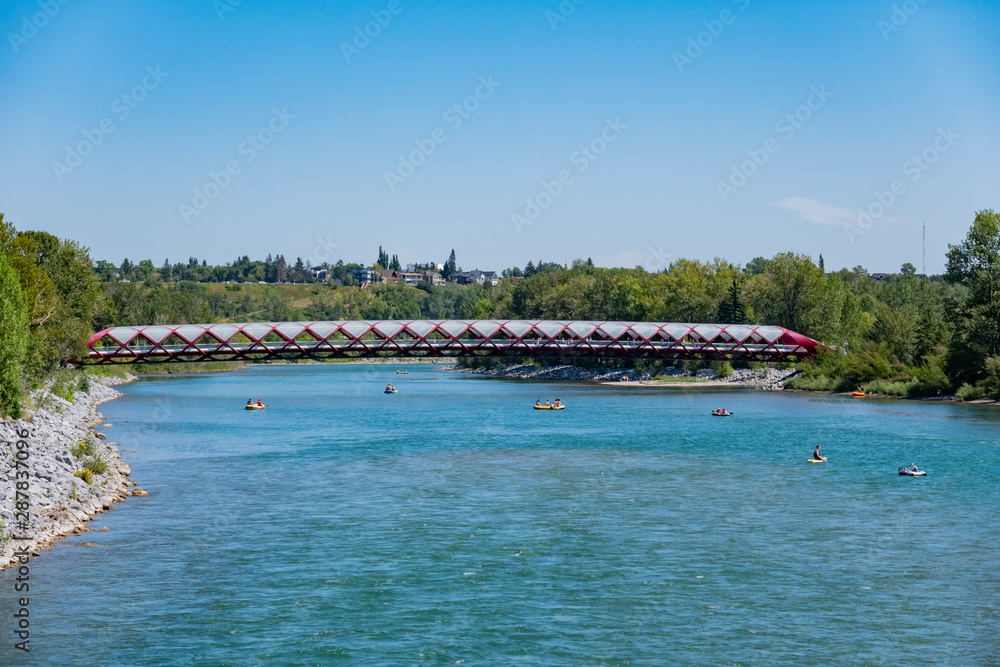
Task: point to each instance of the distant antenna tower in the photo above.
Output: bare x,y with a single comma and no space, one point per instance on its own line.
924,267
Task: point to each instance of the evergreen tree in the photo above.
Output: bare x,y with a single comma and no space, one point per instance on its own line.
383,258
822,265
451,266
280,270
394,263
732,310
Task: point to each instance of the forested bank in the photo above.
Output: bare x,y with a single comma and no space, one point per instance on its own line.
902,334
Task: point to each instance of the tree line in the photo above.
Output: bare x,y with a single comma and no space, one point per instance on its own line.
903,334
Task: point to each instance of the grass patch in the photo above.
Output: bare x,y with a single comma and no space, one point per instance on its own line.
111,371
96,464
186,367
678,378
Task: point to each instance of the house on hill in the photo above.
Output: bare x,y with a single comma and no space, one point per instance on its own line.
474,276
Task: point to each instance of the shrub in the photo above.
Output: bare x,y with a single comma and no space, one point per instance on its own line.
810,383
722,369
969,392
96,464
85,447
919,389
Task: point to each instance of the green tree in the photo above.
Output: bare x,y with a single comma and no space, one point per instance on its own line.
451,266
13,335
732,310
975,263
792,293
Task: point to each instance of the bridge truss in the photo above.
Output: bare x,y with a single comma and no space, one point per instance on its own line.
261,341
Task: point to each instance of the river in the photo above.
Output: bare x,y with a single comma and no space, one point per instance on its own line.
451,522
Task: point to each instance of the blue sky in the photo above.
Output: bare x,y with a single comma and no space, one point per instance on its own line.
633,133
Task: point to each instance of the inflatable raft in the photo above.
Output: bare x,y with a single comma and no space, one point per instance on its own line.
911,473
550,407
858,394
721,414
255,407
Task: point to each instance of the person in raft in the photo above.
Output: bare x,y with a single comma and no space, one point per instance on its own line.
817,456
260,402
538,402
914,468
249,401
556,404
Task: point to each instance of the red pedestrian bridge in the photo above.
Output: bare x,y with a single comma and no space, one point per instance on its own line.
261,341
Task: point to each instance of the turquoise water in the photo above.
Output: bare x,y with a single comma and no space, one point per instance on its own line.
451,522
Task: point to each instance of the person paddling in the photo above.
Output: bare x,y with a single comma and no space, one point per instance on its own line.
817,456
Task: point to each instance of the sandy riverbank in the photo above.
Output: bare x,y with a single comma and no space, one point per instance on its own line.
59,502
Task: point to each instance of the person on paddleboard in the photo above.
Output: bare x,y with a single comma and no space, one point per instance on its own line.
817,456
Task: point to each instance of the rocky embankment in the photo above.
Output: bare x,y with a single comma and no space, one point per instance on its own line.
73,471
765,378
